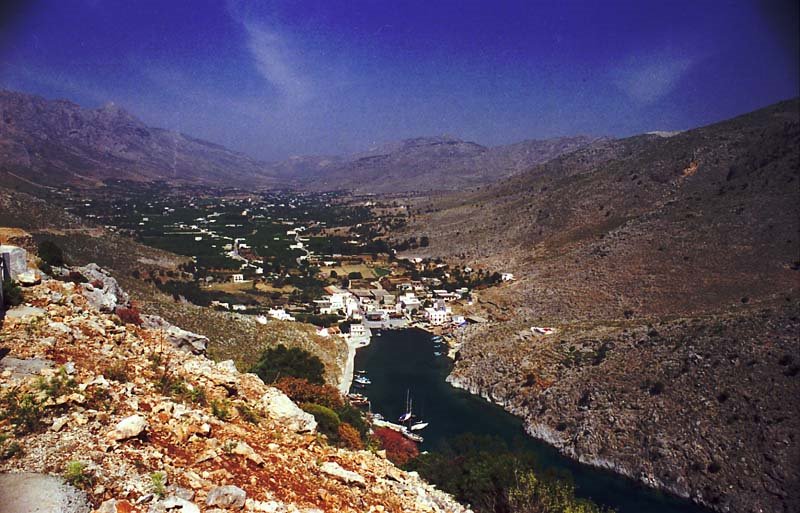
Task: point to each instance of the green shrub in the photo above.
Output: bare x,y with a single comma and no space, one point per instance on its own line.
327,420
8,447
249,414
22,410
51,253
76,475
59,384
280,361
158,483
12,294
221,409
485,473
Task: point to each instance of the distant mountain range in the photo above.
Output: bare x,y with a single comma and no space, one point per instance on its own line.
58,142
435,164
51,142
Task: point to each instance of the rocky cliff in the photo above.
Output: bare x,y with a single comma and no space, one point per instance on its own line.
135,419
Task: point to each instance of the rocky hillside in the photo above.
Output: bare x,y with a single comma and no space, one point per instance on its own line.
433,164
134,420
669,267
58,142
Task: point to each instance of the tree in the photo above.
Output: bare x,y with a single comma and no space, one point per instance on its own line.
277,362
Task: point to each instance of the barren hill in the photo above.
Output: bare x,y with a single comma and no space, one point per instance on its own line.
669,266
58,142
435,164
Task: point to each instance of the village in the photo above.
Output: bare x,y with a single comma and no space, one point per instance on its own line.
323,259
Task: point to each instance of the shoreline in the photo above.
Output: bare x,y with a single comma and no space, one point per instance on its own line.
544,434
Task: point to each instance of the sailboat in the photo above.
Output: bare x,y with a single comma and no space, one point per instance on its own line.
405,417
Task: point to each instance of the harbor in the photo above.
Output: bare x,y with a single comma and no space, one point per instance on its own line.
401,364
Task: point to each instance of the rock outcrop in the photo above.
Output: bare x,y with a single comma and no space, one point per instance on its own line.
145,426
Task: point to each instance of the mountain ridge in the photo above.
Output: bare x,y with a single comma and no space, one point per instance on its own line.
48,142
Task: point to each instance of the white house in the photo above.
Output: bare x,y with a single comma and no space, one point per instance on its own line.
436,317
238,278
408,302
280,314
506,276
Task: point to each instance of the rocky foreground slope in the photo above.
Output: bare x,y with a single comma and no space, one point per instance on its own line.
669,267
140,424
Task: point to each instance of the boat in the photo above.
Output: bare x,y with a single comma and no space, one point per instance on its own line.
405,417
361,372
437,353
363,380
418,425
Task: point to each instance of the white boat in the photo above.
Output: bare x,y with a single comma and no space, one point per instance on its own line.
408,414
418,426
362,380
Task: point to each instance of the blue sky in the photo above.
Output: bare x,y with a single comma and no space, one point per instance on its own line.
275,79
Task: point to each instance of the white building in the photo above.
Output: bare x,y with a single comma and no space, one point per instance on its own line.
238,278
408,302
436,316
280,314
506,276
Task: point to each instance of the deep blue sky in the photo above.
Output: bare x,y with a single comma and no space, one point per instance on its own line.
275,79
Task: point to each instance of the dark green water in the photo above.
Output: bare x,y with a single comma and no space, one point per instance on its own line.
403,360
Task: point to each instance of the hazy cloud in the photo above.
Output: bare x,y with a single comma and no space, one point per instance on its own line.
277,63
648,80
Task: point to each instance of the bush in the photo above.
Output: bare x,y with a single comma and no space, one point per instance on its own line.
51,253
221,409
129,315
301,391
158,483
57,385
327,420
399,449
8,447
349,437
76,475
547,494
280,361
485,473
118,372
248,414
23,411
12,294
